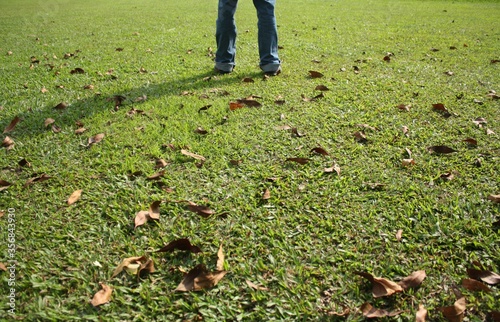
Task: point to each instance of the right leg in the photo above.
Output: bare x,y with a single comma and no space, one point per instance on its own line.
225,36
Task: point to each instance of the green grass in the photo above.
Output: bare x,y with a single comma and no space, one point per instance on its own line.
317,229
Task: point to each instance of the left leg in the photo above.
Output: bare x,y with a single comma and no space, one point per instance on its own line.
268,35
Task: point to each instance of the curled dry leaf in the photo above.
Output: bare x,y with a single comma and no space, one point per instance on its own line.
404,107
256,287
48,122
201,130
320,150
204,108
128,262
235,105
334,168
486,276
454,313
80,131
41,178
75,196
313,99
12,125
299,160
96,139
399,235
296,133
77,70
470,141
180,244
24,163
407,162
248,80
55,128
8,143
203,211
315,74
103,296
494,198
321,88
192,155
266,195
480,121
160,163
61,106
156,176
360,136
200,278
413,280
3,267
4,184
474,285
421,314
141,218
441,149
250,102
370,312
220,259
147,267
381,286
154,210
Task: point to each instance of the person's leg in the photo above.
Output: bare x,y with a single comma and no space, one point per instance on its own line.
268,36
225,36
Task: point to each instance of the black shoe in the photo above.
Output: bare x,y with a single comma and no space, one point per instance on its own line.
274,73
222,72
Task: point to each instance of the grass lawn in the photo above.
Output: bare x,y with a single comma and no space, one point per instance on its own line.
405,179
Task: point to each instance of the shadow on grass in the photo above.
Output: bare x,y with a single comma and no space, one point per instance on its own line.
32,122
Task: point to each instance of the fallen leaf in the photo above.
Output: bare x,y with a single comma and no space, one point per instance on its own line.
370,312
486,276
494,316
413,280
480,121
235,105
154,210
454,313
404,107
247,80
470,141
320,150
421,314
160,163
315,98
95,139
24,163
192,155
321,88
236,162
399,235
283,127
55,128
48,122
103,296
12,125
249,102
204,108
119,99
126,263
3,267
299,160
334,168
141,218
448,176
220,259
381,286
440,149
369,127
449,73
201,130
41,178
61,106
407,162
494,198
387,58
146,267
8,143
77,70
203,211
179,244
296,133
442,109
266,195
4,184
256,287
75,196
489,132
474,285
360,136
315,74
279,102
200,278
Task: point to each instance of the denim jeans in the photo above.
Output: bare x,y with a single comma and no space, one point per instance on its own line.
226,35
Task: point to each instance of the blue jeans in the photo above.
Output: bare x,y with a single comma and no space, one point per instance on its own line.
226,35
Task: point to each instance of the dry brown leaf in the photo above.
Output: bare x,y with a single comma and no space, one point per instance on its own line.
256,287
160,163
494,198
486,276
360,136
126,262
470,141
96,139
235,105
61,106
200,278
247,80
404,107
141,218
315,98
203,211
24,163
440,149
192,155
48,122
413,280
156,176
489,132
103,296
480,121
201,130
454,313
75,196
4,184
12,125
370,312
320,150
154,210
321,88
334,168
266,195
250,102
146,267
407,162
381,286
315,74
474,285
55,128
220,259
399,235
80,130
77,70
8,143
41,178
299,160
296,133
3,267
180,244
421,314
